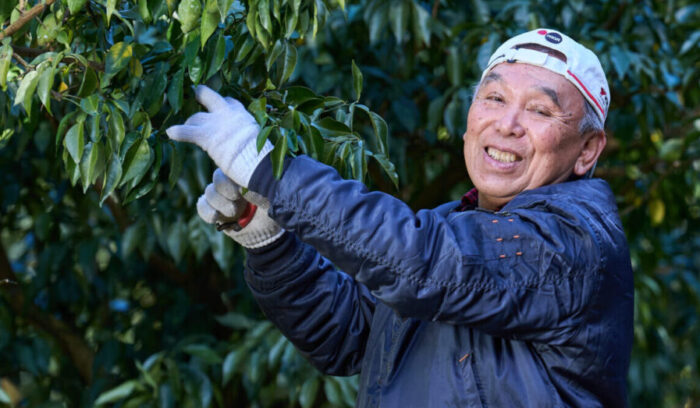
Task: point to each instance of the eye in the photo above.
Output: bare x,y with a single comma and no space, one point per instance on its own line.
494,97
541,110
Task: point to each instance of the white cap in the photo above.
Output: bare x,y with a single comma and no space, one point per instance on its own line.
582,67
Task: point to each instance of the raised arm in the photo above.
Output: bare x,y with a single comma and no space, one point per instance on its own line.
530,273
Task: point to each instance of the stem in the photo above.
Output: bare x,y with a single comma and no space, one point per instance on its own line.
25,18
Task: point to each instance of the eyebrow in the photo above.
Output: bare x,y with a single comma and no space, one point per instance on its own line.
492,76
551,93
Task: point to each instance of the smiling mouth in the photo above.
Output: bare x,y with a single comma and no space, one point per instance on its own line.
501,156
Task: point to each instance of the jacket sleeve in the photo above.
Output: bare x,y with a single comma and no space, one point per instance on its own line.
322,311
531,274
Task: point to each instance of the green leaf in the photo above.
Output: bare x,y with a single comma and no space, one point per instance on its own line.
291,23
76,5
278,154
290,62
75,142
381,130
252,18
47,31
116,128
45,85
189,12
276,350
63,125
89,83
196,69
218,57
112,177
264,15
332,391
136,162
388,167
454,66
111,6
435,112
175,90
117,59
118,393
356,80
203,352
92,164
90,104
262,137
5,62
377,21
308,393
210,20
421,23
672,149
245,49
257,108
272,56
229,366
26,89
398,14
175,166
331,127
144,12
224,6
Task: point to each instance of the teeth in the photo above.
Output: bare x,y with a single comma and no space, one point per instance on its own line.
504,157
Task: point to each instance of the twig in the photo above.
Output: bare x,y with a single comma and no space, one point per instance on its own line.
21,60
436,5
35,52
24,19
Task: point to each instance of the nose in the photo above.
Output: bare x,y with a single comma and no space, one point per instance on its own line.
509,123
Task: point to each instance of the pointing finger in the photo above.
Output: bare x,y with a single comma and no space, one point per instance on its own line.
185,133
234,103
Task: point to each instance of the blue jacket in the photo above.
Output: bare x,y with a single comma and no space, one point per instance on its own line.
530,306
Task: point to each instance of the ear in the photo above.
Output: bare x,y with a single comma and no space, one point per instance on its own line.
593,145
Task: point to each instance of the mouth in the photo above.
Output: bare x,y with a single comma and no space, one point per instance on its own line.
502,156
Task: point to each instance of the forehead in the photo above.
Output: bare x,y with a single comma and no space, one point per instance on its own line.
521,77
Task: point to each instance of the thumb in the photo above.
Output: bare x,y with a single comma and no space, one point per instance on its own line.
185,133
210,99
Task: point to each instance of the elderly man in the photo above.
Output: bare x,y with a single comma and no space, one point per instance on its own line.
520,295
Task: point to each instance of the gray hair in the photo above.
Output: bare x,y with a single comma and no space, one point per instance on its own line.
590,120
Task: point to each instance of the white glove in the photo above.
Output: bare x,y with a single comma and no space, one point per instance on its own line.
242,218
227,133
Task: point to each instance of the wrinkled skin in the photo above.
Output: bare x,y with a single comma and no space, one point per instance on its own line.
527,118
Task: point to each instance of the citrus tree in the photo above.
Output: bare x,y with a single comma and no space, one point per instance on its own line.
114,292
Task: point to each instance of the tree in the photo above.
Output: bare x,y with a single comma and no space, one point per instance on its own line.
113,290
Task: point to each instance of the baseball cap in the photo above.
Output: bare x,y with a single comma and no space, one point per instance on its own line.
582,67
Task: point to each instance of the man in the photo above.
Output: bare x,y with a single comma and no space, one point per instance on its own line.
520,295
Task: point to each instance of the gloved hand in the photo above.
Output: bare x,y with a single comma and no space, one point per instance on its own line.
227,133
243,218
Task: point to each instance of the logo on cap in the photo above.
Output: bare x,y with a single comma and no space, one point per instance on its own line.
554,38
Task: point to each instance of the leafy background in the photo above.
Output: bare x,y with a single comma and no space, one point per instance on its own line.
115,293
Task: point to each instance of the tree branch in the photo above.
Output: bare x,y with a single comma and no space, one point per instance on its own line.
67,337
35,52
24,19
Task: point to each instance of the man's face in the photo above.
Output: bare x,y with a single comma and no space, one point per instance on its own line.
522,132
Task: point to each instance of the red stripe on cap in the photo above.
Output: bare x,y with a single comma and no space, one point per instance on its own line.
587,92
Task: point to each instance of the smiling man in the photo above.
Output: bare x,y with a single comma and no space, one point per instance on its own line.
519,296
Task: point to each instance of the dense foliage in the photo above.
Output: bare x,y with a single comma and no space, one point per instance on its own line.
114,292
